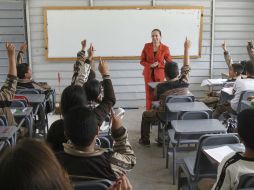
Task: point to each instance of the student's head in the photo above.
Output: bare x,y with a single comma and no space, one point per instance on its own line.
156,35
72,96
93,90
171,70
32,165
24,71
243,63
249,68
245,127
235,70
80,126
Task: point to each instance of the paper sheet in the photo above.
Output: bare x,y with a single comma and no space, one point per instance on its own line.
219,153
229,90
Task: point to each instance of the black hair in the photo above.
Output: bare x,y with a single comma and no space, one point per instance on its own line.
237,68
72,96
243,63
80,126
22,69
93,89
249,68
91,75
171,70
156,30
245,127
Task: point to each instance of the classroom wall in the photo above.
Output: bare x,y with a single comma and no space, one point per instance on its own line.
233,22
12,28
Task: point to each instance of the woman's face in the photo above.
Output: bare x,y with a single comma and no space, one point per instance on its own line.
156,37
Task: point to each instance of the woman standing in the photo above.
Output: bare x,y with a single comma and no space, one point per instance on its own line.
152,58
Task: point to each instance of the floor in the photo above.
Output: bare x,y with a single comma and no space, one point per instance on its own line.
150,172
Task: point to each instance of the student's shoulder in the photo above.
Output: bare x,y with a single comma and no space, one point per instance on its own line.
164,46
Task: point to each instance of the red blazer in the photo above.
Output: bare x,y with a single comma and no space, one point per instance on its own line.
147,58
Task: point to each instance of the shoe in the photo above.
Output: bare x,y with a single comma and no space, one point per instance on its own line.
144,142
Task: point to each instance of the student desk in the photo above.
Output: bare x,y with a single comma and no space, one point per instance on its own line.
25,115
191,127
175,109
153,84
235,147
8,134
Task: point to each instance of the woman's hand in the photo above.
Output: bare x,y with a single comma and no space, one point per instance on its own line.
155,64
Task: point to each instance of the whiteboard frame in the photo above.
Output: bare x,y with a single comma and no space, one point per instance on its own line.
45,9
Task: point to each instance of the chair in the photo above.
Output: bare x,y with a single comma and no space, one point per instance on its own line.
17,104
3,120
244,96
194,168
246,181
172,99
28,91
176,140
95,184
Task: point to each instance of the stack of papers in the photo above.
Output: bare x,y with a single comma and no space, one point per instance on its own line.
219,153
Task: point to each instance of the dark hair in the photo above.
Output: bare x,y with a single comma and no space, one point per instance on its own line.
32,165
56,136
80,126
171,70
243,63
245,127
93,89
249,68
237,68
91,75
72,96
22,69
156,30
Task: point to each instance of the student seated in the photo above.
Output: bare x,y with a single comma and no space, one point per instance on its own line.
25,73
32,165
234,69
80,156
175,85
237,164
75,95
8,89
239,86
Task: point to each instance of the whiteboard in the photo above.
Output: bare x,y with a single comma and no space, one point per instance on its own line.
120,33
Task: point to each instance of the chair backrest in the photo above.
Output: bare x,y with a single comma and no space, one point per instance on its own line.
98,184
3,120
17,104
246,181
194,115
202,164
180,98
27,91
244,96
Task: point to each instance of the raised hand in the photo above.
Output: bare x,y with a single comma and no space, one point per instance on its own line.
103,67
90,52
23,47
116,121
12,58
187,44
224,46
10,49
122,183
83,44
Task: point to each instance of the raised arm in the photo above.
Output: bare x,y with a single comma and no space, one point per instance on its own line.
227,56
8,89
186,61
20,56
109,99
82,66
250,50
123,158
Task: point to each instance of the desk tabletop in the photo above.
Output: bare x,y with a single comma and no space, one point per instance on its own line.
21,112
199,126
187,106
7,132
153,84
34,98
